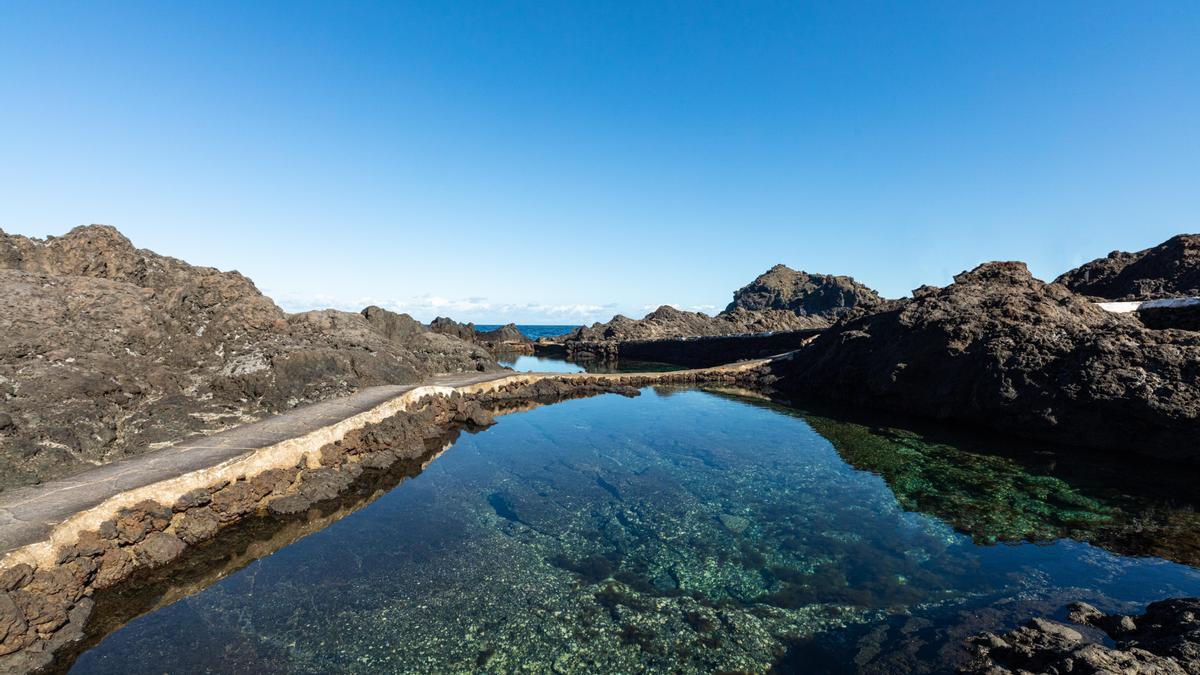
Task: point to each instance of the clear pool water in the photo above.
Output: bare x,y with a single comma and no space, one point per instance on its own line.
679,531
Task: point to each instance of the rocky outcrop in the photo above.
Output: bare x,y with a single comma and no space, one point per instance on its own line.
780,300
444,325
824,295
1171,269
108,350
1001,349
505,339
506,334
668,322
1163,641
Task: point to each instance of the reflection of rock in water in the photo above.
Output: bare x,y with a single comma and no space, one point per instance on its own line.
1017,495
239,545
1001,491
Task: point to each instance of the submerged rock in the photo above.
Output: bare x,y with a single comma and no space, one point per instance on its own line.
1163,641
1171,269
1001,349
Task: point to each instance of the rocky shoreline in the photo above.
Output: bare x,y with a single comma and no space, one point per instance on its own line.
1164,640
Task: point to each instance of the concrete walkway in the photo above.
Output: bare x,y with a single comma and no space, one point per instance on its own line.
29,515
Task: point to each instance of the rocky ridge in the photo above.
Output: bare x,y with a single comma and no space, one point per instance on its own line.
1171,269
108,350
780,299
505,339
1001,349
824,295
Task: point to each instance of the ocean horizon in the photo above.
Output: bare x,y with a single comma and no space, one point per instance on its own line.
534,331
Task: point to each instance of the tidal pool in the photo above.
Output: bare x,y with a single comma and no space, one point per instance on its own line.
679,531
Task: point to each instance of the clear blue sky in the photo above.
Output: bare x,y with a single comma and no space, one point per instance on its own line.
557,161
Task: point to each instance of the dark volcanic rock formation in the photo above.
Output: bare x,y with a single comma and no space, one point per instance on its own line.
108,350
1170,269
668,322
1001,349
781,299
802,293
506,338
1163,641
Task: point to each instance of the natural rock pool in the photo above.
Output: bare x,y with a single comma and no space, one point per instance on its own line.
682,530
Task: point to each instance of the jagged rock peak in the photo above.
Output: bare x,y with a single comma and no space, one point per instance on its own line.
783,288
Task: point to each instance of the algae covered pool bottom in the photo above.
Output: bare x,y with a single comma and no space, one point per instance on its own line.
679,531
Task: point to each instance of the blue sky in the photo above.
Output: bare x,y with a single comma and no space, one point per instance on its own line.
558,162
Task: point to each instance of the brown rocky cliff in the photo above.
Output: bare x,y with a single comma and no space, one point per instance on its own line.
107,350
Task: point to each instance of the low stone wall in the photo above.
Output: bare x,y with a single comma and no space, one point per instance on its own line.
47,589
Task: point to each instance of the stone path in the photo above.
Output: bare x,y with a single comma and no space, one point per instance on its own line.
29,514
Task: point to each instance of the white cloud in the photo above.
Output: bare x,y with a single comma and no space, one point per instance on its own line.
481,310
707,309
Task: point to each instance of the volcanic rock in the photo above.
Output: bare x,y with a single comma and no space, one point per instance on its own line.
1001,349
506,338
802,293
779,300
1163,641
107,350
1171,269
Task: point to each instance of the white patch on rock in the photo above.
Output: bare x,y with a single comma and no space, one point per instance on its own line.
245,365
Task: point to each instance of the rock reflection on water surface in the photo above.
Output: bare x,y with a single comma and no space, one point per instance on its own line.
678,531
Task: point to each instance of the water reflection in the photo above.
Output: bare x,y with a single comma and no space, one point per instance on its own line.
679,531
544,364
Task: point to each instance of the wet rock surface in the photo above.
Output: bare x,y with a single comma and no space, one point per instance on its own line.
107,350
1163,641
1171,269
1001,349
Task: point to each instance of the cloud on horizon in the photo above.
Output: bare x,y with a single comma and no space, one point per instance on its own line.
480,310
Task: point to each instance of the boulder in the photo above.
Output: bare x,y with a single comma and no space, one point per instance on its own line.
1163,641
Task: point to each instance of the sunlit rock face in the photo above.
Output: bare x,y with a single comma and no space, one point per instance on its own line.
1001,349
108,350
781,299
1171,269
784,288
